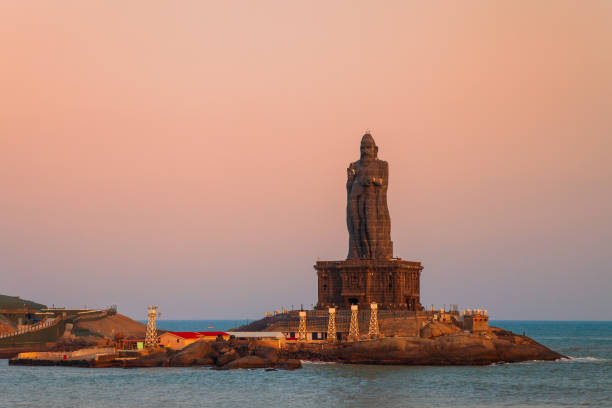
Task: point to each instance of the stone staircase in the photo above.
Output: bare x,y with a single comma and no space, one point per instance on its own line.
32,328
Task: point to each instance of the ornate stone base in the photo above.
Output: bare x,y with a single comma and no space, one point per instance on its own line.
393,284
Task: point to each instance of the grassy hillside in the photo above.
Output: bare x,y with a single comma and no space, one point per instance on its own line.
12,302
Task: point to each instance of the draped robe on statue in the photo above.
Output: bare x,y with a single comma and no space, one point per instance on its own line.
368,219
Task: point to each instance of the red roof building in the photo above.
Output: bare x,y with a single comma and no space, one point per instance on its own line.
213,334
186,335
178,340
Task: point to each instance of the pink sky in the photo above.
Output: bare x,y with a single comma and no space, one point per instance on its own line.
193,154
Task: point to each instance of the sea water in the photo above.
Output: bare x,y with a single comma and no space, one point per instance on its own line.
583,380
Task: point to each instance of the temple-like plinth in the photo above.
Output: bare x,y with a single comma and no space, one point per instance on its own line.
393,284
370,273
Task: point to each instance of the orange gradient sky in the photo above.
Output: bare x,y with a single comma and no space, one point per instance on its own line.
193,154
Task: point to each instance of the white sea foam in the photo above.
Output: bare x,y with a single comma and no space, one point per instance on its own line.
571,359
559,360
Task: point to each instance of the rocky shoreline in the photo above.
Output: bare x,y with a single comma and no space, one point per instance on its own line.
403,342
452,349
457,348
222,355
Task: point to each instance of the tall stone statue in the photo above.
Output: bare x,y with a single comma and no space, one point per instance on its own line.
370,274
367,215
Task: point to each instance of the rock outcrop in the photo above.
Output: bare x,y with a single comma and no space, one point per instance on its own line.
155,359
246,362
193,353
219,354
110,326
290,364
440,344
458,348
437,329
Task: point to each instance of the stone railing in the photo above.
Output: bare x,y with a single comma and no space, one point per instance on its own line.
317,320
91,315
31,328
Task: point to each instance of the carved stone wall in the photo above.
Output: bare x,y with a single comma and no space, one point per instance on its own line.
392,284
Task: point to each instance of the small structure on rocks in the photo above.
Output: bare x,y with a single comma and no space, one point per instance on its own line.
302,327
354,328
373,331
177,340
268,339
180,340
476,320
332,335
151,339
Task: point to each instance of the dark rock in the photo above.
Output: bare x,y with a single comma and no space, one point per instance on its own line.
221,347
156,359
205,361
223,359
291,364
247,362
267,353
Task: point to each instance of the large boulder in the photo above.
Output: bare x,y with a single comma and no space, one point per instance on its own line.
221,347
267,353
205,361
247,362
523,351
290,364
225,358
437,329
191,354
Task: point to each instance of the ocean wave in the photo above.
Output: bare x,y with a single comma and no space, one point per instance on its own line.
317,362
570,359
526,362
589,359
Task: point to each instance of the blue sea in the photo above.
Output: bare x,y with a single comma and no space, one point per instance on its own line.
583,380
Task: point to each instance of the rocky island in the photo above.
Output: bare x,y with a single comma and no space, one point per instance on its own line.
459,348
371,291
437,339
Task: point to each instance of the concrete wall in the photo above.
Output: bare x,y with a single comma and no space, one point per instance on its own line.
82,354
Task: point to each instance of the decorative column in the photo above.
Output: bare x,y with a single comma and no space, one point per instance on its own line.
302,327
331,326
151,339
373,331
354,327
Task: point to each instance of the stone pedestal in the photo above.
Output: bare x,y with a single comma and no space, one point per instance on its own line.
394,284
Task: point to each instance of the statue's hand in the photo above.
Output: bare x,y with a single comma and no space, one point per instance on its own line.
377,180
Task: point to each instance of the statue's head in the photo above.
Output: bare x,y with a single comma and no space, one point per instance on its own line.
369,150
